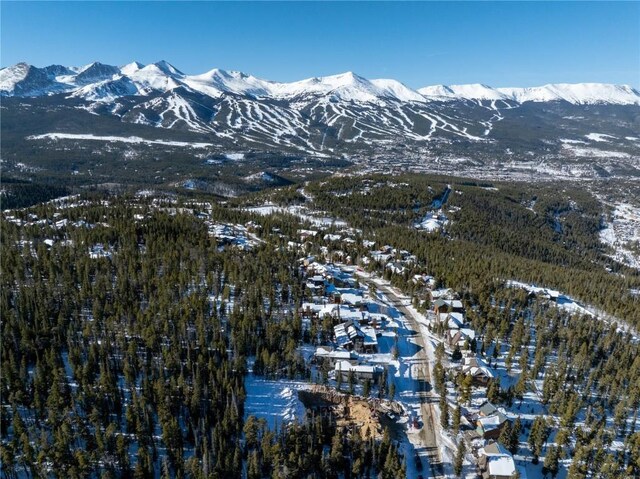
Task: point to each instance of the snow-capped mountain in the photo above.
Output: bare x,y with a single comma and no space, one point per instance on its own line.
326,116
577,94
27,80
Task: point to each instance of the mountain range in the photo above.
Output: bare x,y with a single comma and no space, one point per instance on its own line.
592,125
100,82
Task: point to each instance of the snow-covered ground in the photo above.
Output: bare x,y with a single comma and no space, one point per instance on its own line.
299,211
562,301
622,231
433,221
574,307
573,150
276,401
120,139
599,137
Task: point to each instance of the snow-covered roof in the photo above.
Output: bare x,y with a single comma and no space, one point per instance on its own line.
337,354
452,320
369,336
346,366
477,367
492,422
350,298
441,293
502,465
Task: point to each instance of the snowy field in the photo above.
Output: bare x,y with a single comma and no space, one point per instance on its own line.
120,139
276,401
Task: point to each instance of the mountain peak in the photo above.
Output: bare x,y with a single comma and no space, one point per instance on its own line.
132,67
26,80
167,68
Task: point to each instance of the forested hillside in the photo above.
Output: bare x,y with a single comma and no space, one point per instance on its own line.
130,325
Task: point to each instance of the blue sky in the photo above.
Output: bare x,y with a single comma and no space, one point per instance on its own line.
500,44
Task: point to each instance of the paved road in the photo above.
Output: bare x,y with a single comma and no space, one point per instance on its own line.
423,376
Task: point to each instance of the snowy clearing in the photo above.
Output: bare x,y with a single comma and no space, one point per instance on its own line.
599,137
276,401
120,139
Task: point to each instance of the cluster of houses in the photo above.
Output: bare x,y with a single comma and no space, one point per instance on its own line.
239,236
356,321
448,321
396,261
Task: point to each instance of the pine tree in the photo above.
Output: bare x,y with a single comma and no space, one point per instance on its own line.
493,390
444,412
551,462
366,388
514,439
455,425
537,437
505,435
459,459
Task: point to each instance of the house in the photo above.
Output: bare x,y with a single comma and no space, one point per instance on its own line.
440,306
396,267
437,294
329,357
490,427
495,462
487,409
381,257
99,251
459,337
451,320
478,370
443,304
370,340
316,284
331,237
319,311
353,336
347,335
304,234
360,371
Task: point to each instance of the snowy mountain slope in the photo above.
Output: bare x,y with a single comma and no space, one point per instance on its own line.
333,115
26,80
95,72
577,94
475,91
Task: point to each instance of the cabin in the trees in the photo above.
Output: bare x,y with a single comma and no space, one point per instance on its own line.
478,370
316,284
490,427
396,267
450,320
444,305
495,462
459,337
